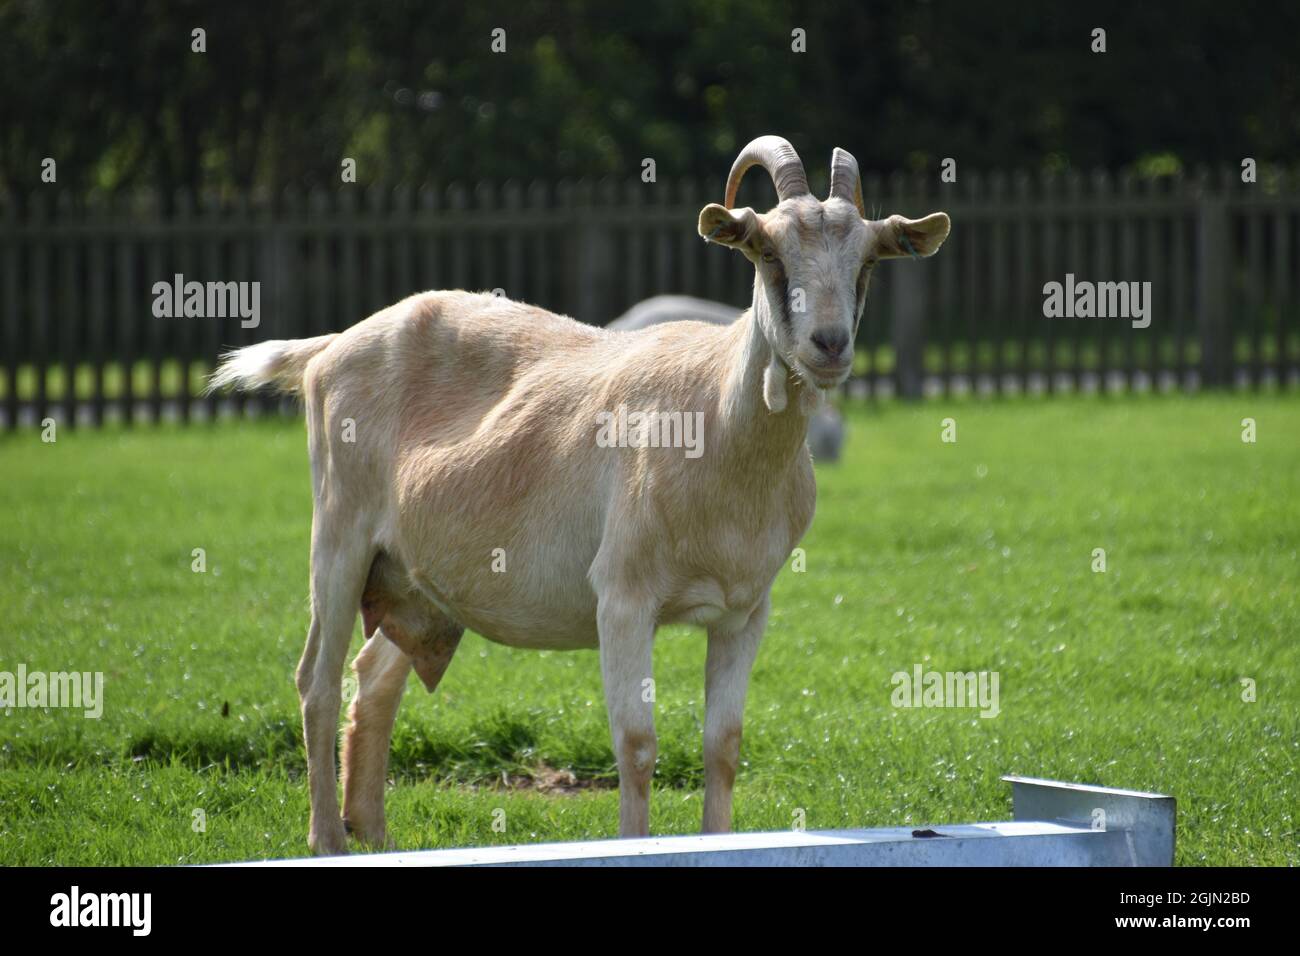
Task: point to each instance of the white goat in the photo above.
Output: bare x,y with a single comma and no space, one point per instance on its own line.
473,440
673,308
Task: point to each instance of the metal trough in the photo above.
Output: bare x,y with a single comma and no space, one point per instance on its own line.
1056,824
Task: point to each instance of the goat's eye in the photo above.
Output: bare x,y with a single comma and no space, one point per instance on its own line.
769,255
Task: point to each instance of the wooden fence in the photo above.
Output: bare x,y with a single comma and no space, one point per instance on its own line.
79,339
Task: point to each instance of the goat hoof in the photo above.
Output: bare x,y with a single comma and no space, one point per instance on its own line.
370,837
333,843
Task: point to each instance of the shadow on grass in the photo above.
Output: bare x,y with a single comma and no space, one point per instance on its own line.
501,750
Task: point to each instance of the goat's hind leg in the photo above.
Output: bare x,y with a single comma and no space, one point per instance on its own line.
381,670
339,560
406,630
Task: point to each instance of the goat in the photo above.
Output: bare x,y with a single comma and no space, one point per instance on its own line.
825,424
673,308
459,482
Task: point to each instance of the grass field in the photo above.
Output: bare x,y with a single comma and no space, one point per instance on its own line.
968,556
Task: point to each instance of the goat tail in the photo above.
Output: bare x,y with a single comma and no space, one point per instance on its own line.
280,363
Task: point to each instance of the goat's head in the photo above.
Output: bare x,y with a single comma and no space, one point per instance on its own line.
813,259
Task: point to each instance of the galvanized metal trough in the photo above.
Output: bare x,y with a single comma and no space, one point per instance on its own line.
1056,824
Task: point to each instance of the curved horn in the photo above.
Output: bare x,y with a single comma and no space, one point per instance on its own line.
846,181
782,163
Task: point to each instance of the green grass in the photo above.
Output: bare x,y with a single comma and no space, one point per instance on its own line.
966,556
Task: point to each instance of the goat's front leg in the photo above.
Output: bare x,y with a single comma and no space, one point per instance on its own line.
627,632
730,658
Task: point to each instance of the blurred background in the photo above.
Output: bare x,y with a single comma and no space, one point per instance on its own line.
518,161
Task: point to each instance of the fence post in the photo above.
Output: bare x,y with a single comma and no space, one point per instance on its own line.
277,269
1212,265
183,261
594,256
909,304
11,312
38,290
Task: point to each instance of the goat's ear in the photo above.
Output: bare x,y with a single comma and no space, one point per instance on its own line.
898,236
738,228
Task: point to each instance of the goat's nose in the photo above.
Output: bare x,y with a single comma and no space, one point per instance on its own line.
832,342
